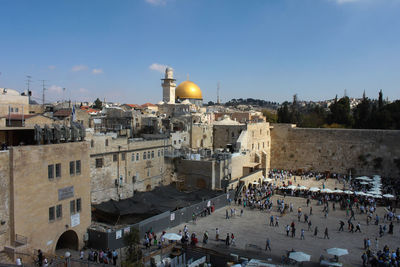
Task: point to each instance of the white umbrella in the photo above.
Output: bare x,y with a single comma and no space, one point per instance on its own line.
267,180
172,236
255,183
337,191
299,256
360,193
364,183
337,251
364,178
291,187
326,190
377,196
388,196
302,187
348,192
314,189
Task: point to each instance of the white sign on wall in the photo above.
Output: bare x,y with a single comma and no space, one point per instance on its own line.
75,219
172,216
118,234
209,203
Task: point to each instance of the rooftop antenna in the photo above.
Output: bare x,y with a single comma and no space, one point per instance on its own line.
28,81
64,94
218,86
43,90
345,93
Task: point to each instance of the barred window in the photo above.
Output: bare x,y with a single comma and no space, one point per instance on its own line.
72,168
78,167
59,211
58,170
50,171
51,214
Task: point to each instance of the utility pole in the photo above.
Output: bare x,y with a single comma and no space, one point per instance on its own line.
218,100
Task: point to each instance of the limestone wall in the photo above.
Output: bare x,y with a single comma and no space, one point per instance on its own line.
366,152
33,193
124,161
4,199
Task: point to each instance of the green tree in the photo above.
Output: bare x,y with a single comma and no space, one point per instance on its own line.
362,114
284,114
270,116
340,112
98,104
133,252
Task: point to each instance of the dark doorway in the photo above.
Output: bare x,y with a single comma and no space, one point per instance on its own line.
68,239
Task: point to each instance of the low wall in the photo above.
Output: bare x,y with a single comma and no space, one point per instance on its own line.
115,239
364,152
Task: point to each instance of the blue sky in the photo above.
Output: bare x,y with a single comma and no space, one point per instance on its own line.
267,49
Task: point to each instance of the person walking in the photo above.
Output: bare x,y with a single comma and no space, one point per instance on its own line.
276,221
326,235
227,240
315,231
293,231
271,220
341,226
302,234
227,214
358,228
233,240
310,210
217,234
287,229
268,245
309,225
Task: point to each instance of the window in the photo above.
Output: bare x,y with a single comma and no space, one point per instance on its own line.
92,143
106,142
179,141
50,171
58,170
158,153
71,168
144,155
115,157
133,157
174,142
252,146
78,205
16,109
148,154
263,144
99,163
137,156
162,152
184,139
51,214
123,155
78,167
59,211
152,154
72,206
148,172
11,109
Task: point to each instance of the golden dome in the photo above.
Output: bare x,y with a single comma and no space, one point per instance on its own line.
188,90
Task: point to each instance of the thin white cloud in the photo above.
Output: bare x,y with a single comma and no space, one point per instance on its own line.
97,71
52,67
55,89
346,1
158,67
79,68
156,2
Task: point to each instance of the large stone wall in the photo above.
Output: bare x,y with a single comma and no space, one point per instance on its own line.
4,199
365,152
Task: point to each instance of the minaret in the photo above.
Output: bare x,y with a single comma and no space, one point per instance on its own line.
168,86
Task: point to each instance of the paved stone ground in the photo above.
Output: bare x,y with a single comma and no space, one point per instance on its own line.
252,230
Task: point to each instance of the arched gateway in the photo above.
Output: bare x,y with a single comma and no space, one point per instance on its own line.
69,240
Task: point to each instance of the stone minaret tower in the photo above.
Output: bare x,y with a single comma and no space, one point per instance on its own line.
168,86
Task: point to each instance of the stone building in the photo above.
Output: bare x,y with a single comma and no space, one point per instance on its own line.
121,166
48,196
12,102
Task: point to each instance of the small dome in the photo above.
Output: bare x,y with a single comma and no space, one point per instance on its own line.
161,103
186,102
188,90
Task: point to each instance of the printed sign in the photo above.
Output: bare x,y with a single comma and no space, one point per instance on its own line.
66,192
118,234
172,216
209,203
75,219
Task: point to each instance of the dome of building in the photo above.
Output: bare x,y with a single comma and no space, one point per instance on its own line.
188,90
